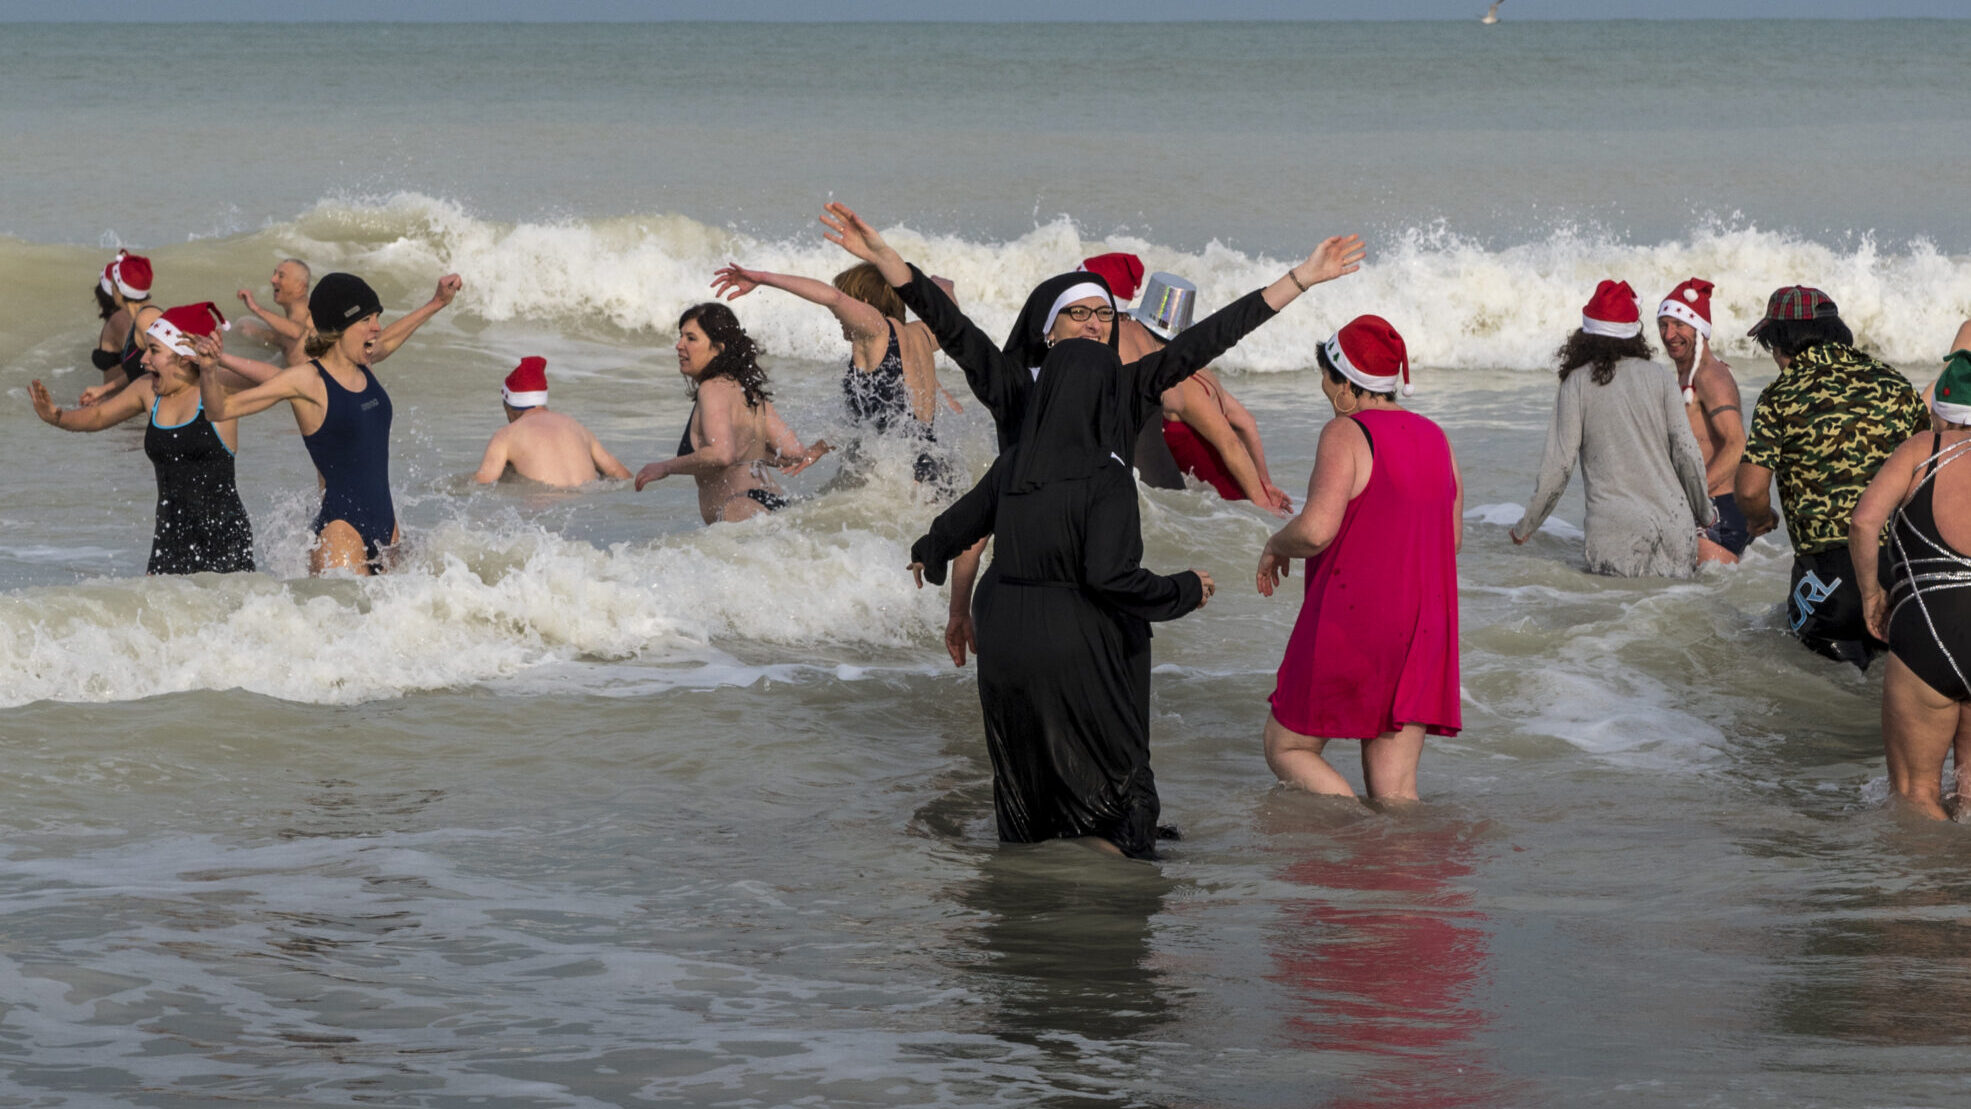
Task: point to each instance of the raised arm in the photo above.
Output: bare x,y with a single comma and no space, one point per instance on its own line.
94,417
393,336
863,321
1556,463
1198,345
286,328
848,231
293,384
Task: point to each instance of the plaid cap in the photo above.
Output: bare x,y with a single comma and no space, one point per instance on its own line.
1796,302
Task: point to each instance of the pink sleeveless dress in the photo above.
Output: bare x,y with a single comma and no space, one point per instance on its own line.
1376,644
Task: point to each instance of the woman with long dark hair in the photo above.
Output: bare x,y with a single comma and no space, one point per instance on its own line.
734,439
1623,420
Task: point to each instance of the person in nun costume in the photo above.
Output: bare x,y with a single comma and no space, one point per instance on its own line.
1064,612
1003,377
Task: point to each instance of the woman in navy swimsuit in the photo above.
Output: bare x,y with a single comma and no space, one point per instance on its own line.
344,417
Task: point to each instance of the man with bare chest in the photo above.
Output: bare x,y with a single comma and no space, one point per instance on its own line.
1711,402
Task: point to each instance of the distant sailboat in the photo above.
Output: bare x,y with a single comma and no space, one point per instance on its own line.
1491,15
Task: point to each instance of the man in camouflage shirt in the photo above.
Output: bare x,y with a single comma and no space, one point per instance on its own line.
1823,428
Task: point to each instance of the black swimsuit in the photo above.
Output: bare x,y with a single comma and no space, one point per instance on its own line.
201,524
771,501
1927,582
878,398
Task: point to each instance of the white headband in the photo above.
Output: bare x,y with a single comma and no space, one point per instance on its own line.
1610,328
1072,293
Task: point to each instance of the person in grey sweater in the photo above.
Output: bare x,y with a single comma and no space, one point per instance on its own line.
1624,421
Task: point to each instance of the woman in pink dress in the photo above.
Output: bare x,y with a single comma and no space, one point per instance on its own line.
1374,655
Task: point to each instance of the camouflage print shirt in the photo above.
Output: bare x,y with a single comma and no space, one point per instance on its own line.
1823,428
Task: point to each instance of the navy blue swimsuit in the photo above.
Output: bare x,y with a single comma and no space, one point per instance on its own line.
352,451
201,524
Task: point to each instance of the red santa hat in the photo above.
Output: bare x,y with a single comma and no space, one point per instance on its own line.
1612,312
177,325
526,386
1369,352
1691,303
129,272
1123,272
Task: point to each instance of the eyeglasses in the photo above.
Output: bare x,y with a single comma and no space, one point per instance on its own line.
1079,313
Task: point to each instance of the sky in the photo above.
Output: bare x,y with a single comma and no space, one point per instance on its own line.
990,11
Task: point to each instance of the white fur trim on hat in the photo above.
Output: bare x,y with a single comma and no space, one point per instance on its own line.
1068,296
523,400
1366,380
173,338
1952,413
1613,330
1677,309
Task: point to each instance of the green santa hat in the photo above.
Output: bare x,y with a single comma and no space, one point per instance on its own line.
1951,399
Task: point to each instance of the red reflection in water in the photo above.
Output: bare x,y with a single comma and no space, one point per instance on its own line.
1383,957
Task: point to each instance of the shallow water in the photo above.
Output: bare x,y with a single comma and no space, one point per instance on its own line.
590,805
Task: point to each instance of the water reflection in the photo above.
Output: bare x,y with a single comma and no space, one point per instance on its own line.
1382,957
1063,947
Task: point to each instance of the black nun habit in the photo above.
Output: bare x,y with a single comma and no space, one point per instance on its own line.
1003,377
1063,614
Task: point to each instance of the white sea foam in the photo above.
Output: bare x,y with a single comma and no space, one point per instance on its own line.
1460,302
471,606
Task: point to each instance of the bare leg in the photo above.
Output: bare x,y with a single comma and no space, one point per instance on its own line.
338,547
1918,726
1296,760
1960,757
1708,551
1389,763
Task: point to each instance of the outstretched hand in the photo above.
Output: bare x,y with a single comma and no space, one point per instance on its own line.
206,349
95,393
1281,502
1337,256
808,458
656,471
848,231
44,405
1272,571
246,298
733,282
448,287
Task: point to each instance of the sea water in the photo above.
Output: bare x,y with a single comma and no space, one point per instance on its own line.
592,805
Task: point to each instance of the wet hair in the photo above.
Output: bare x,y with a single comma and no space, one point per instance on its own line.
738,357
866,283
105,304
1600,351
1339,378
319,343
1790,337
